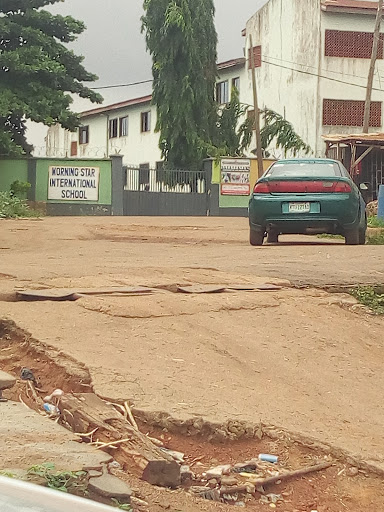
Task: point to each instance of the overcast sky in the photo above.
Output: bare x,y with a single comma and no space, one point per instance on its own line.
114,48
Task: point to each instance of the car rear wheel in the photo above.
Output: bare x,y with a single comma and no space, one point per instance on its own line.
362,236
256,237
352,237
272,237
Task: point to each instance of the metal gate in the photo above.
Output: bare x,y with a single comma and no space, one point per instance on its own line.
162,192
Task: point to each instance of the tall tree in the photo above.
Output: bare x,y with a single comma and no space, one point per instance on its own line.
281,132
182,40
37,71
234,128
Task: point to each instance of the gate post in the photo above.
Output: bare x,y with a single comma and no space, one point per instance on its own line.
117,185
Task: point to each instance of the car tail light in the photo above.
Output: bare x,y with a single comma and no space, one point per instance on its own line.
305,187
261,188
342,187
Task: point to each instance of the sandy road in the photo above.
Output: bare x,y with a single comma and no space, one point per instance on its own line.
293,358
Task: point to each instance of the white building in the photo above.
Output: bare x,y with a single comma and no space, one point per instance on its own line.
128,127
312,59
312,65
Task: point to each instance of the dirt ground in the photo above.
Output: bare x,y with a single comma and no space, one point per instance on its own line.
300,359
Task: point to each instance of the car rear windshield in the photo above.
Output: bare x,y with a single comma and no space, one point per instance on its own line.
304,170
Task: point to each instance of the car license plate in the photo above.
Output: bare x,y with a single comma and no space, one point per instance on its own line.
299,207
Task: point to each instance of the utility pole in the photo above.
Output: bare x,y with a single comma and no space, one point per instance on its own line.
259,151
376,38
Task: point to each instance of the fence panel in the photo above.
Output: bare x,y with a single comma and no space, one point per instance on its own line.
165,192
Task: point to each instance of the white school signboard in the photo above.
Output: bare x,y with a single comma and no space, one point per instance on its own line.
73,183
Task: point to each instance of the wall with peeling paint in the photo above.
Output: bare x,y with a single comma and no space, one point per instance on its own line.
295,76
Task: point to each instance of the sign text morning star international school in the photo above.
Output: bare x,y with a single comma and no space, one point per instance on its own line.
73,183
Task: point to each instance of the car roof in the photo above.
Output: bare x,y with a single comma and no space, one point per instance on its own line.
307,160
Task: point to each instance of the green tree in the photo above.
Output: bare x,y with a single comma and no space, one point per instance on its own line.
280,131
182,40
234,128
37,71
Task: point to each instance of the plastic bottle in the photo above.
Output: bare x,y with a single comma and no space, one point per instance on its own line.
265,457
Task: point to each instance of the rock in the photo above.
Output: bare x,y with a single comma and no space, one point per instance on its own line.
218,471
93,474
138,503
177,456
352,471
213,483
162,473
186,475
110,486
246,467
228,480
6,381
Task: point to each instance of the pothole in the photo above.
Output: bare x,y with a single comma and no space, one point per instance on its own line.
203,446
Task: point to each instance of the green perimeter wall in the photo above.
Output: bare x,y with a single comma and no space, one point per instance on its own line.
105,189
12,170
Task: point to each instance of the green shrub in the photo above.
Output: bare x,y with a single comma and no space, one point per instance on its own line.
370,297
12,207
20,189
376,238
375,222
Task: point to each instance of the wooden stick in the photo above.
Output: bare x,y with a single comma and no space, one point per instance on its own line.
292,474
130,415
22,401
122,409
88,434
37,399
114,444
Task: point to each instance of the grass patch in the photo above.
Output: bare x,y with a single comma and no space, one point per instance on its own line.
375,222
376,239
65,481
332,237
368,296
12,207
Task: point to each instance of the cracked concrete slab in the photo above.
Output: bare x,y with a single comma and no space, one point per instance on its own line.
27,439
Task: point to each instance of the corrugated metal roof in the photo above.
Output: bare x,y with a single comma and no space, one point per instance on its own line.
231,63
357,138
117,106
350,5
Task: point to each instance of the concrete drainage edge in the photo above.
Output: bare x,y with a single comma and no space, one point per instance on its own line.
235,430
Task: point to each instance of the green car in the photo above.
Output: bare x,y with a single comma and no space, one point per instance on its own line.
307,196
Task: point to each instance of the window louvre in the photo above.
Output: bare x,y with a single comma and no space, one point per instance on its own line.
83,134
222,93
350,113
256,56
113,125
145,122
236,83
123,126
358,45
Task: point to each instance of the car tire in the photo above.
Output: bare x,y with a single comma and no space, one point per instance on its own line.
256,237
362,236
352,237
272,237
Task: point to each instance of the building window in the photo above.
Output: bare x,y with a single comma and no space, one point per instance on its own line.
113,124
350,113
83,134
256,56
123,128
145,122
236,83
222,93
358,45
